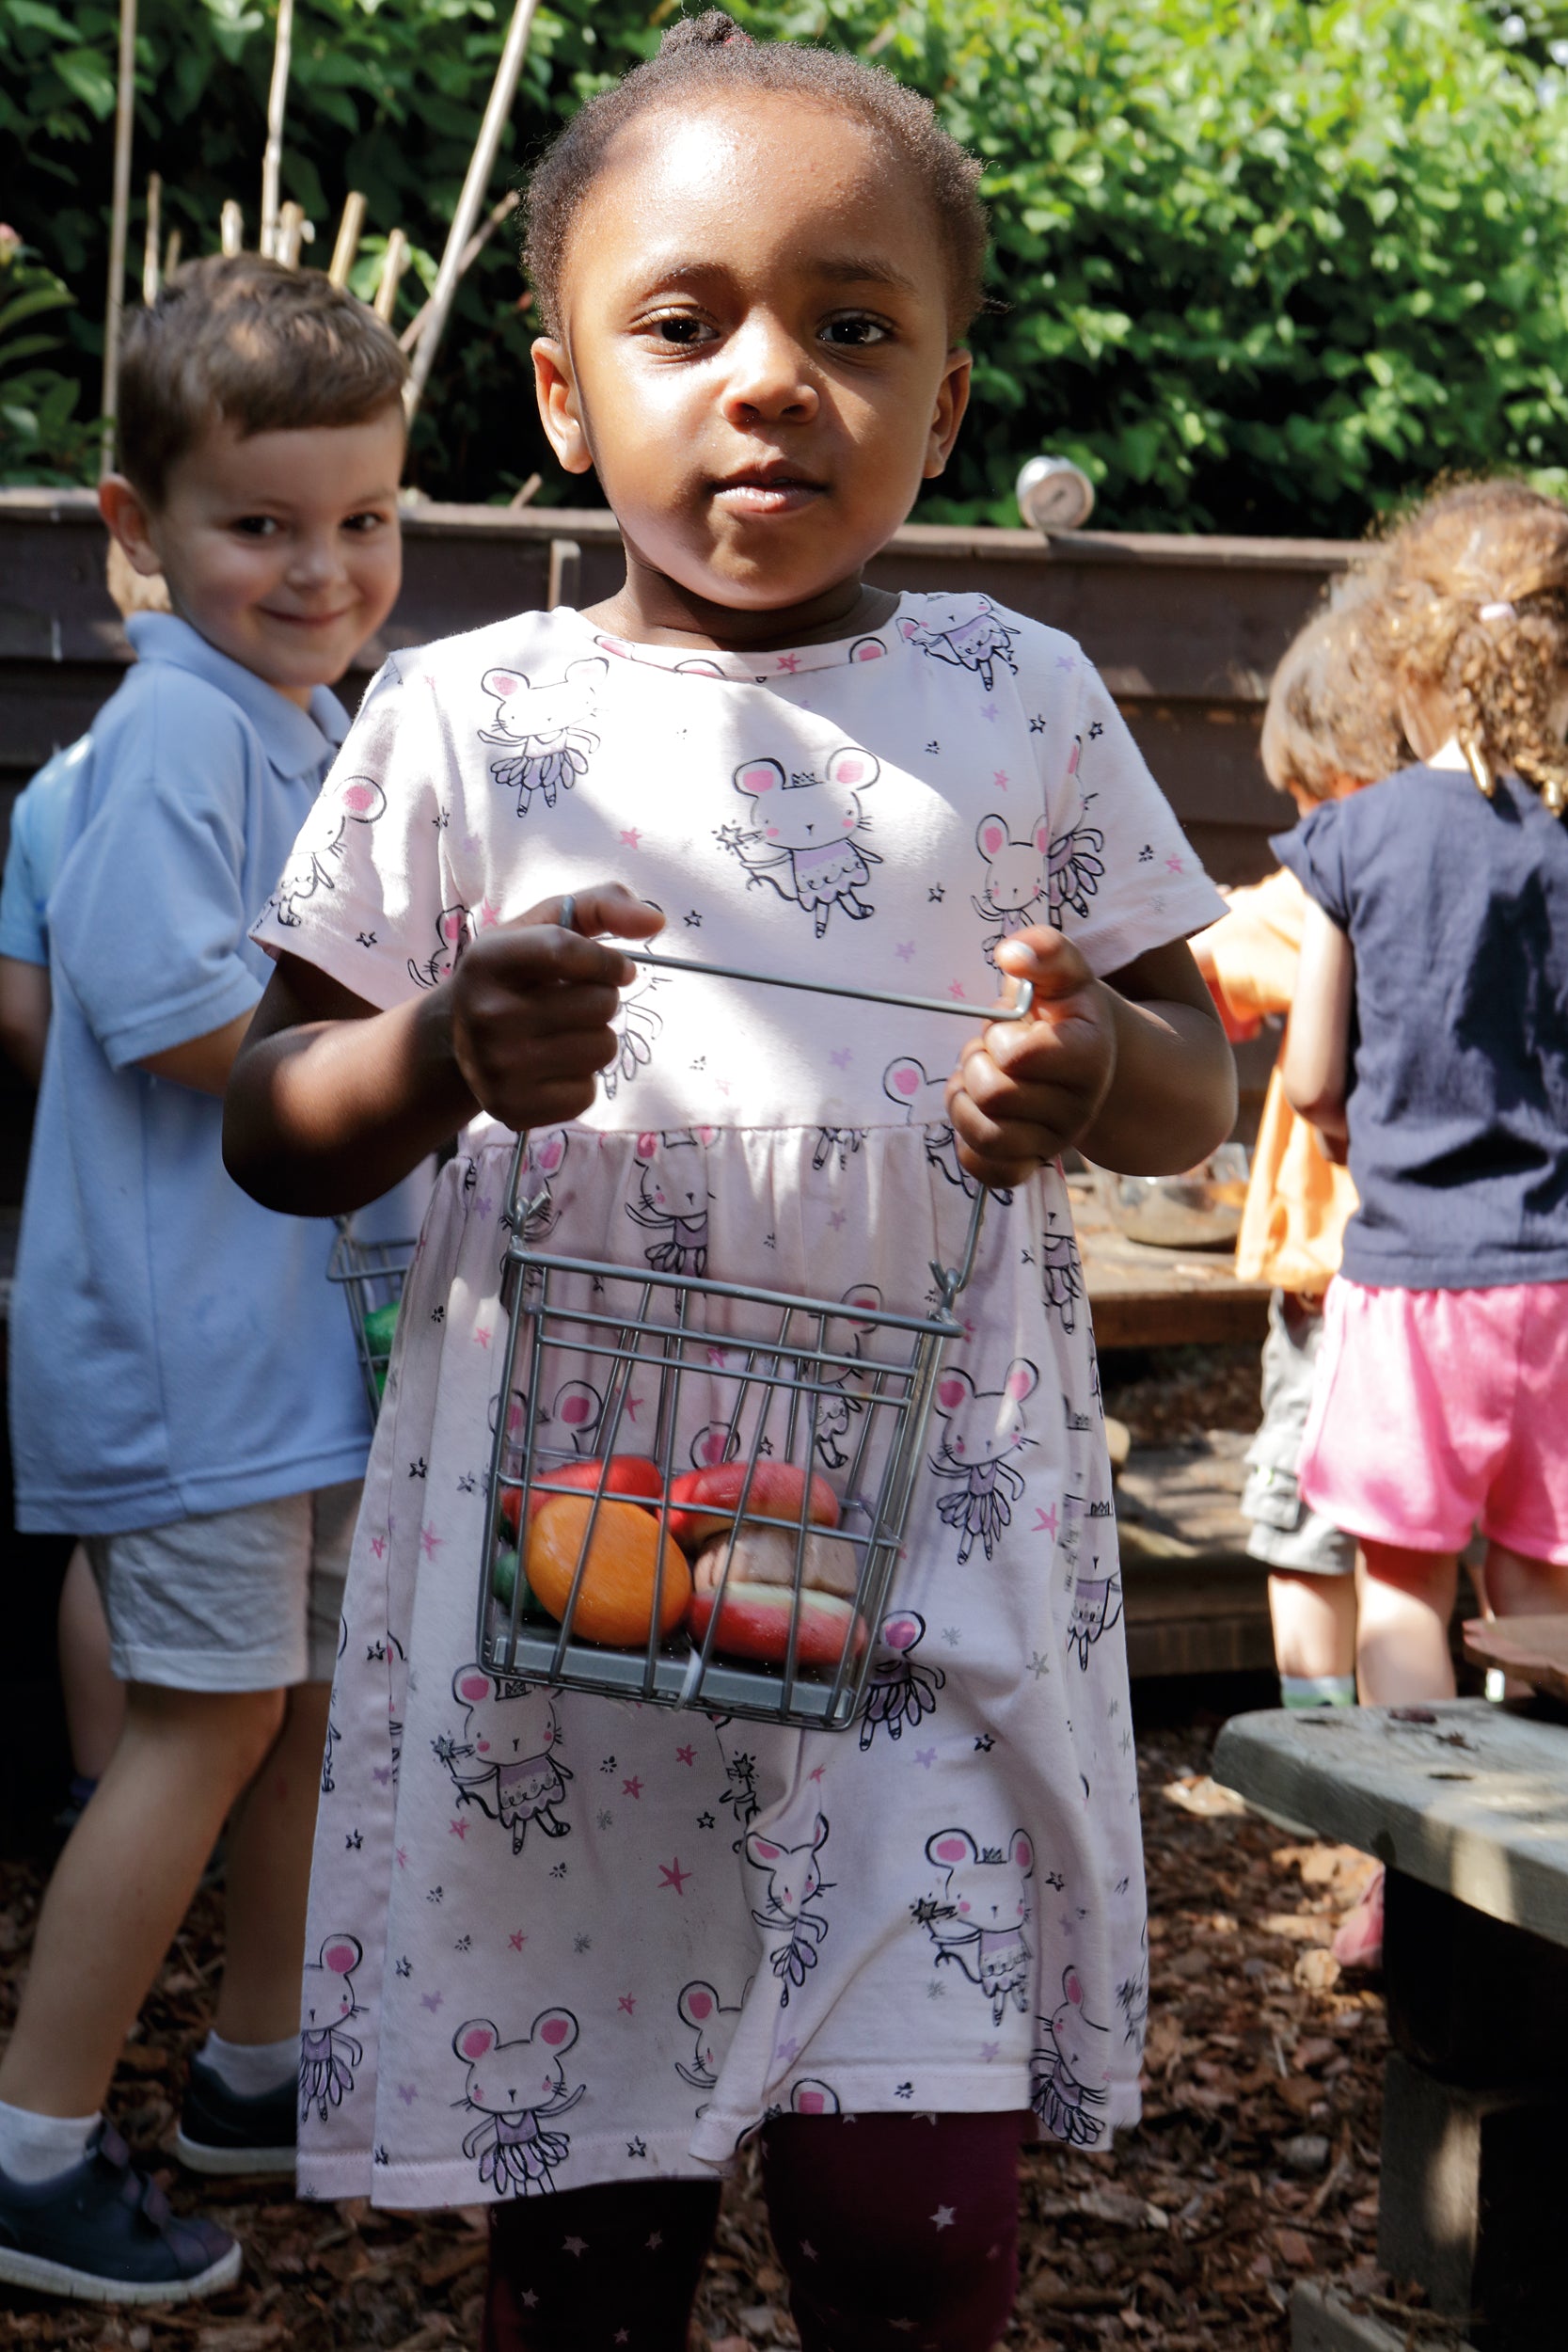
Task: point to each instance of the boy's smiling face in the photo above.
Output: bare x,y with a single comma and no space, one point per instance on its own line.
282,549
755,355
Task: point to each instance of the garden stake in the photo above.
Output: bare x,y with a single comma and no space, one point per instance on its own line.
480,164
289,236
119,222
171,255
393,264
272,158
149,248
481,237
232,229
350,229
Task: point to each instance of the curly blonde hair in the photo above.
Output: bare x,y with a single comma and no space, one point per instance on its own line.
1474,605
1331,711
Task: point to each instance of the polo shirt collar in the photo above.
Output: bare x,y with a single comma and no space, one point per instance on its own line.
291,738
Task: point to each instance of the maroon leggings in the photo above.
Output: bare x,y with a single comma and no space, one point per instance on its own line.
899,2233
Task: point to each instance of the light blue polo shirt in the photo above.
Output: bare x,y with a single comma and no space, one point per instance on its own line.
174,1348
35,853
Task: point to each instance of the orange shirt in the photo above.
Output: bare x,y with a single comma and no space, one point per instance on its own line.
1298,1203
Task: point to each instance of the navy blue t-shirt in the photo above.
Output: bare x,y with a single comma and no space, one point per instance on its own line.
1457,911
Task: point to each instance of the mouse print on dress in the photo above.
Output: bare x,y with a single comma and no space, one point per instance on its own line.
505,1760
317,862
699,2008
452,937
924,1102
673,1198
543,1161
808,839
977,1919
837,1405
1073,864
334,1731
1070,2069
516,2089
1061,1271
976,642
981,1428
1095,1608
548,742
636,1031
564,1427
794,1880
328,2053
899,1692
1015,880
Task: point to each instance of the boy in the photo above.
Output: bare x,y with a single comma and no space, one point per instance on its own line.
184,1385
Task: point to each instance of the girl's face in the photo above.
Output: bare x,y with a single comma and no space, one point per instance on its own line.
755,354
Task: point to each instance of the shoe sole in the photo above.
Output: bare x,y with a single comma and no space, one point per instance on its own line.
248,2164
88,2286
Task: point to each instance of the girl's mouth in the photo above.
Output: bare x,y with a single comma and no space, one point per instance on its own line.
765,491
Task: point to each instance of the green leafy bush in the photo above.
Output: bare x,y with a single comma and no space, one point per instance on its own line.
41,439
1264,264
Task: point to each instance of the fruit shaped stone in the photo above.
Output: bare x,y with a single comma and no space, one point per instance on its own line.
765,1555
616,1601
704,1502
753,1621
632,1479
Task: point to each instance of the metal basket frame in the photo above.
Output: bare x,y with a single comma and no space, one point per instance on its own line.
790,1370
371,1274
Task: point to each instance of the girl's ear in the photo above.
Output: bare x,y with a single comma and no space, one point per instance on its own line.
556,391
948,413
129,522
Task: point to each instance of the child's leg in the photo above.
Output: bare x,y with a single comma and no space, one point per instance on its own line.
590,2267
1406,1599
123,1885
267,1878
1518,1586
93,1693
882,2220
1314,1635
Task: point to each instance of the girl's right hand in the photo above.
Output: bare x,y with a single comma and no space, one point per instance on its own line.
532,1005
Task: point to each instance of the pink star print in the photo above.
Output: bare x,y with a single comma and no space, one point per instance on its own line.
627,2002
632,1405
1045,1522
904,950
382,1775
489,915
817,1773
1173,865
403,1857
788,2052
990,2050
630,836
841,1056
955,990
926,1757
407,2093
987,710
430,1543
790,662
686,1755
432,2001
838,1220
517,1941
999,777
378,1544
457,1828
671,1874
482,1337
631,1788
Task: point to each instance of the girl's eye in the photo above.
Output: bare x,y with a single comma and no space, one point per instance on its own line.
855,332
681,329
256,526
364,524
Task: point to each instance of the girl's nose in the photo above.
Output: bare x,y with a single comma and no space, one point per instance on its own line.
768,375
318,561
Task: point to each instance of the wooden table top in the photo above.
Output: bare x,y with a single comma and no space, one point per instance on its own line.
1532,1649
1465,1796
1141,1297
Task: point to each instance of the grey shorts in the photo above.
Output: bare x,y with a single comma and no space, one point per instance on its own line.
1287,1531
248,1599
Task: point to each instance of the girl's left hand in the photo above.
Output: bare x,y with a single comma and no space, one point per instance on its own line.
1023,1092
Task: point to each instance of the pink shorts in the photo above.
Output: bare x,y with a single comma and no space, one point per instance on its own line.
1437,1411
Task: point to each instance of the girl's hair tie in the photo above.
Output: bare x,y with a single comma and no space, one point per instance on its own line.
1502,610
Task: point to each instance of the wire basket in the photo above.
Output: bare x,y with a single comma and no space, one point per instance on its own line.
372,1275
777,1437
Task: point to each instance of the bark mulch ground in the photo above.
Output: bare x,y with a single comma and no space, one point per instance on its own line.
1256,2163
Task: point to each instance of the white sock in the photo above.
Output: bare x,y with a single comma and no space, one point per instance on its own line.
249,2069
36,2148
1317,1690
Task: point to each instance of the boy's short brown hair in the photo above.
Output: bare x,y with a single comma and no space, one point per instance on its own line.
1331,712
267,349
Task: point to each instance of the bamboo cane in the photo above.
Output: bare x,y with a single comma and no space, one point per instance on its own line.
481,164
272,159
171,255
231,227
471,251
350,229
393,264
152,239
289,236
119,223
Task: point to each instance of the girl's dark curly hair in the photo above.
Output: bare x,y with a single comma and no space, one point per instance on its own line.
710,52
1474,604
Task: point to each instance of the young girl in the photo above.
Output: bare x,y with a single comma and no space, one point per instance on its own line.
560,1942
1427,1041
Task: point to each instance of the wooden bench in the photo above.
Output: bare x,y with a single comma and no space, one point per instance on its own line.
1468,1806
1141,1297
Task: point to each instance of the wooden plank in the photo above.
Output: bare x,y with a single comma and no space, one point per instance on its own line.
1532,1649
1469,1798
1141,1297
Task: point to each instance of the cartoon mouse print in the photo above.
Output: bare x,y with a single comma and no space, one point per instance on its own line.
1015,881
636,1030
317,864
452,937
544,1160
794,1877
700,2007
1073,864
810,2096
1069,2070
506,1761
517,2087
924,1101
979,1918
976,643
327,2053
899,1692
547,745
1061,1273
568,1422
836,1408
1096,1607
334,1732
806,840
672,1201
983,1427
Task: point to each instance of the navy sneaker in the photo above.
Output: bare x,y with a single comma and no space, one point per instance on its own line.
220,2132
103,2233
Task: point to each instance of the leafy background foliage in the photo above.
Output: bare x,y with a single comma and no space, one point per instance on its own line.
1260,265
